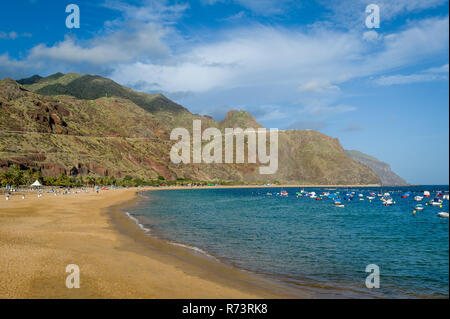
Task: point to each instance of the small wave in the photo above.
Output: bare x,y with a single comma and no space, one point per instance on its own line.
146,230
196,249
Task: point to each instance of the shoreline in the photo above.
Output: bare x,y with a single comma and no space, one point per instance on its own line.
40,237
286,288
297,288
197,261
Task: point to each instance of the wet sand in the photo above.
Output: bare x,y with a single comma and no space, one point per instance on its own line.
39,237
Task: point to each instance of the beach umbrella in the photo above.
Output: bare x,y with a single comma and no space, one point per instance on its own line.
36,184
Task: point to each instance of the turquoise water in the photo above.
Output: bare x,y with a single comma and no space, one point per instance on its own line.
312,244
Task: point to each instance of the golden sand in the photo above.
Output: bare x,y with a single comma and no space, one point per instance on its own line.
39,237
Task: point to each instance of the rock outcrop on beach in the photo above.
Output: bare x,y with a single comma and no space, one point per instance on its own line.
382,169
88,125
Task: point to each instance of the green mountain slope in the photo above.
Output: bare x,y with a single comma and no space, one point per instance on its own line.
91,87
383,170
115,136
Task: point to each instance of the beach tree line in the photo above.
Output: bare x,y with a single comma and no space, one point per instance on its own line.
16,176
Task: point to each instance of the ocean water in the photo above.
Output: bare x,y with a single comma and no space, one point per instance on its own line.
311,244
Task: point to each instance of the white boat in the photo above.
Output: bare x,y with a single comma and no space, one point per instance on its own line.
426,194
370,197
419,207
436,202
418,198
446,196
443,215
387,200
338,203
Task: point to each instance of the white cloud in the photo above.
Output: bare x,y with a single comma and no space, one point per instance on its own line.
353,128
262,57
10,67
246,57
318,86
371,36
156,11
308,125
326,110
260,7
351,13
12,35
408,79
144,41
441,69
428,75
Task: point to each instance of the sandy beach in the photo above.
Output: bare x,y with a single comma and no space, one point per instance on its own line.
39,237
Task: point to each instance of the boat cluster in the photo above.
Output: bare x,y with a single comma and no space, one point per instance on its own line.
339,199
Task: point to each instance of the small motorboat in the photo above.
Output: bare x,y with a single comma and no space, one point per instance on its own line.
370,197
418,198
338,203
436,202
387,200
419,207
426,194
406,195
443,215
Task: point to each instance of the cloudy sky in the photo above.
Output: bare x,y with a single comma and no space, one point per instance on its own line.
292,64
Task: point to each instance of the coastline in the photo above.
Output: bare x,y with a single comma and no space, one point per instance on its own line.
39,238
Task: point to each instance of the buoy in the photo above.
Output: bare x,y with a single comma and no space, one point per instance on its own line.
414,211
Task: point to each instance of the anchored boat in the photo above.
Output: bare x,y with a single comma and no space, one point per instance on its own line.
419,207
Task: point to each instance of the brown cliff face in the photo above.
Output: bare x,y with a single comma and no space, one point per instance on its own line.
114,136
383,170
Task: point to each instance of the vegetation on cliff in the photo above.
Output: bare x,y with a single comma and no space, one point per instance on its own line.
89,126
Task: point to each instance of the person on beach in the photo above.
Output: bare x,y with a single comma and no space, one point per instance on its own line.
23,196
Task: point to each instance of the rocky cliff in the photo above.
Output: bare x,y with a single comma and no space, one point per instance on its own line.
89,125
382,169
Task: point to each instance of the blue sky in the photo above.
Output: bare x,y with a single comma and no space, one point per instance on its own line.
292,64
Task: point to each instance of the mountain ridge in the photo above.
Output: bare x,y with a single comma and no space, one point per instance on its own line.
382,169
87,133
